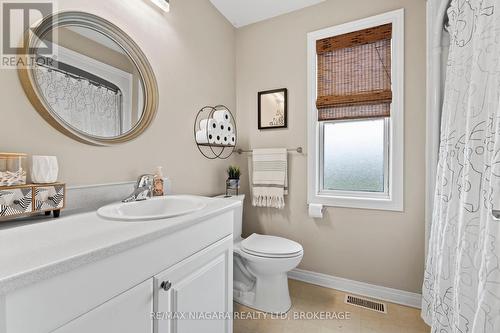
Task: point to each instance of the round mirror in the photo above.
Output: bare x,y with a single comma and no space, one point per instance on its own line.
88,79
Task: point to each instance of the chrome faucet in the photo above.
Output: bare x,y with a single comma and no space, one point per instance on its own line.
143,189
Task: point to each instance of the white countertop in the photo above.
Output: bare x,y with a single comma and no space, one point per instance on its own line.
37,251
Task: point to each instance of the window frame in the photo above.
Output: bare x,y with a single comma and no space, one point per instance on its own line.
392,199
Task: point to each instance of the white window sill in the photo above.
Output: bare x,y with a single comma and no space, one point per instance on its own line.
359,202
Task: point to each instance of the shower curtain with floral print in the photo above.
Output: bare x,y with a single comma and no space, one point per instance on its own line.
461,289
91,109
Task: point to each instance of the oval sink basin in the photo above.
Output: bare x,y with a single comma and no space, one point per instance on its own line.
152,209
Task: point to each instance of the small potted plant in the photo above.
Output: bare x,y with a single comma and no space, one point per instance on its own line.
233,180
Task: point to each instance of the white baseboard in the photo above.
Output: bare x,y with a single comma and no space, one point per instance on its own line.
359,288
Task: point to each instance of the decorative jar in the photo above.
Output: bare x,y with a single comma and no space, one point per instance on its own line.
44,169
232,184
12,169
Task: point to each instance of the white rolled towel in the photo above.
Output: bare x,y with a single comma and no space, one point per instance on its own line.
202,136
222,115
208,124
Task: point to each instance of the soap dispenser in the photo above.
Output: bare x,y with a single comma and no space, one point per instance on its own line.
158,186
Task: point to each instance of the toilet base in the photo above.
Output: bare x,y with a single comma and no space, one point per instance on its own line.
270,294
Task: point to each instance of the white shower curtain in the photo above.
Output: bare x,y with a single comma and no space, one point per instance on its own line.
86,107
461,289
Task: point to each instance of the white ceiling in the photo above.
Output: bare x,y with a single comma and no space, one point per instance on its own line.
244,12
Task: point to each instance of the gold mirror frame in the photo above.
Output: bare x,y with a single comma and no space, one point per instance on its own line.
86,20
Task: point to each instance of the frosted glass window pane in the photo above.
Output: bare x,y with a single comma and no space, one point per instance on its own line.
354,156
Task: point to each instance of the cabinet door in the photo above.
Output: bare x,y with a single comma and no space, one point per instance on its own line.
129,312
196,294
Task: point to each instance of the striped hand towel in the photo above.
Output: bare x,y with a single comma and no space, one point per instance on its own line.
269,177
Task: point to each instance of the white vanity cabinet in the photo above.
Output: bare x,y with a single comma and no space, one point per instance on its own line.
187,271
196,294
188,297
126,313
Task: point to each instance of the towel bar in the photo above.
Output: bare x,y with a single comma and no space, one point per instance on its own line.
299,150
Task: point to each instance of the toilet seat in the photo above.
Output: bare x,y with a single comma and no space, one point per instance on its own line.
271,246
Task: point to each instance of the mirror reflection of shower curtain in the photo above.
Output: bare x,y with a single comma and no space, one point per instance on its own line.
461,289
91,109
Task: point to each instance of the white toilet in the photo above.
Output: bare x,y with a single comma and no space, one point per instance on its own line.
261,264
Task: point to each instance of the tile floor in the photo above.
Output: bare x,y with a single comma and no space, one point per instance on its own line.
311,298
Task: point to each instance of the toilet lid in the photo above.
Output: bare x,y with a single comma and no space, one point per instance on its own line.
270,246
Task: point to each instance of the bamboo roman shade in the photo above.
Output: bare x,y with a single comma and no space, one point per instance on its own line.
354,74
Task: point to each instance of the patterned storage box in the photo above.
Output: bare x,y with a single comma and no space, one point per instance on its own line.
24,200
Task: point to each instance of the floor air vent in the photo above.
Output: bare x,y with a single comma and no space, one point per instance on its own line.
366,303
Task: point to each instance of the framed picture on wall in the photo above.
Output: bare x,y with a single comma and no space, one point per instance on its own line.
273,109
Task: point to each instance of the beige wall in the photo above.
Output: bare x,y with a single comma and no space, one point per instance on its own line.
379,247
180,47
192,51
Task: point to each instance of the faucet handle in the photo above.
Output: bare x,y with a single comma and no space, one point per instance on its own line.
145,180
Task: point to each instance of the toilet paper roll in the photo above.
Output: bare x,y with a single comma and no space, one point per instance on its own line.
203,137
232,140
222,115
222,127
229,129
225,139
316,211
208,124
218,137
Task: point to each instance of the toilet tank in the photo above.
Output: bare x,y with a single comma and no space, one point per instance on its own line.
238,215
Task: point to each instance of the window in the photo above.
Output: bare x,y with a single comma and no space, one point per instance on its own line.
355,121
352,162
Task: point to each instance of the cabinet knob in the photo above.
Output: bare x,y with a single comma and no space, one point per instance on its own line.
166,285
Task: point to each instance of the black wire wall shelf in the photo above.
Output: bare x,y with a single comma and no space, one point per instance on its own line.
215,142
